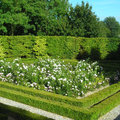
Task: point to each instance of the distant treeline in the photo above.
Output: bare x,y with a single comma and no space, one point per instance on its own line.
53,18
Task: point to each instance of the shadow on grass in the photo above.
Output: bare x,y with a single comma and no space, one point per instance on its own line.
117,118
110,65
19,114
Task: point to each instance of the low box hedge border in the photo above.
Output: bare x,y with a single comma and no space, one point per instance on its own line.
105,106
91,108
48,105
18,114
86,102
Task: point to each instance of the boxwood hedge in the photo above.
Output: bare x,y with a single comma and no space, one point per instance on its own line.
91,107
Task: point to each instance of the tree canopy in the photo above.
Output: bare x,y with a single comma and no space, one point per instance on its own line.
50,17
114,27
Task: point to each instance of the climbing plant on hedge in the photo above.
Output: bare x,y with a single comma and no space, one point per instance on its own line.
40,47
2,55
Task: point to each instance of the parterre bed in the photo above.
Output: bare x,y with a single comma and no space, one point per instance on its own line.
91,107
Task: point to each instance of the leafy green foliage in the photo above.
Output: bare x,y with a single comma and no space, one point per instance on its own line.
12,16
83,21
2,55
48,17
103,30
40,47
113,26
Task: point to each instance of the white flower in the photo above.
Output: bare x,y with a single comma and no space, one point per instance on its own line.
53,77
25,67
1,73
82,92
33,74
38,67
21,74
81,81
64,79
90,83
9,75
17,64
95,75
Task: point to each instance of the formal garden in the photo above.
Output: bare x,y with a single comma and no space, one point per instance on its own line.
55,73
58,58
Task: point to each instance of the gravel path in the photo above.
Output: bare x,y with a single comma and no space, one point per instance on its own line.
114,114
92,92
32,109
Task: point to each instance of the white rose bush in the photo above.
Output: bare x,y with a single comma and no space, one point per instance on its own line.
54,75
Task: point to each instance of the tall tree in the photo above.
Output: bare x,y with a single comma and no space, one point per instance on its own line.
103,30
56,22
12,17
113,25
83,21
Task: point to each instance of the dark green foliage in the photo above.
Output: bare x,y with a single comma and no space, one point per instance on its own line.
48,17
114,49
113,25
83,21
13,17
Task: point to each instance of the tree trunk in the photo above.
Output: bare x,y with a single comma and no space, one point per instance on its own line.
12,30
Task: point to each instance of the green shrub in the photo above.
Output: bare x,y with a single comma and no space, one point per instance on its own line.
2,55
40,47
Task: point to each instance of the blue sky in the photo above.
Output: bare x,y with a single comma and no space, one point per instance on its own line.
102,8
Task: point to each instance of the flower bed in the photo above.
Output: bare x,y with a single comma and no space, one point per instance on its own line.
54,75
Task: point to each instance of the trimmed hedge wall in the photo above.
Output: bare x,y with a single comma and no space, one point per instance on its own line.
65,106
52,106
65,47
88,101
